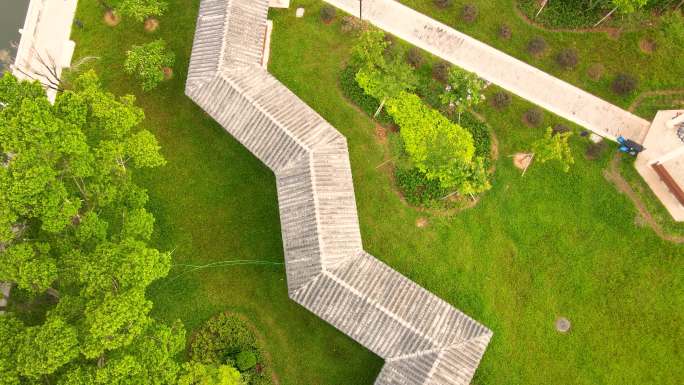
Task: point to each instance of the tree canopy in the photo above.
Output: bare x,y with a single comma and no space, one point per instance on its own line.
554,147
74,228
441,149
147,62
381,77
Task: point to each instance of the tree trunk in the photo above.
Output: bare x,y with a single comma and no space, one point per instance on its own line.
377,112
605,17
543,4
52,292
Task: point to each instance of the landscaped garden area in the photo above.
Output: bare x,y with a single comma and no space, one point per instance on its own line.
515,252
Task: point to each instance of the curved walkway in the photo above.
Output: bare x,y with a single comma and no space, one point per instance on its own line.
423,339
520,78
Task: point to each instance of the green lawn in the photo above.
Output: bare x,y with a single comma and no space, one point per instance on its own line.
534,248
661,69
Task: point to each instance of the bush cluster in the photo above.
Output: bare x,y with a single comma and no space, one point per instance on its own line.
415,57
536,46
567,58
440,71
624,84
443,3
416,188
352,90
505,31
328,13
469,13
534,117
501,100
226,339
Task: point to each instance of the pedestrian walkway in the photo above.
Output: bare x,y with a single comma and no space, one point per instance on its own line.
499,68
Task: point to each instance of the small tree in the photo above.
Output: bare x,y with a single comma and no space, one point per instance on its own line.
387,81
554,147
147,62
380,77
441,149
464,91
623,84
139,9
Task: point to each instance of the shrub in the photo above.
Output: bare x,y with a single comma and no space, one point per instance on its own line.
595,150
356,95
536,46
560,128
352,24
245,360
416,188
469,13
443,3
139,9
328,13
440,71
415,57
624,84
147,62
505,31
220,339
567,58
595,71
534,116
501,100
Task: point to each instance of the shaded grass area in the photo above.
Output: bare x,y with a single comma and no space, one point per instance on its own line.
215,202
536,247
661,69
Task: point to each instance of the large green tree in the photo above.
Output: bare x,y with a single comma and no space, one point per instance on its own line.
73,227
441,149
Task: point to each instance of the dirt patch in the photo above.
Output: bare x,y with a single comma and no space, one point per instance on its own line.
168,73
522,160
640,99
644,217
647,46
151,24
596,71
380,134
111,18
421,222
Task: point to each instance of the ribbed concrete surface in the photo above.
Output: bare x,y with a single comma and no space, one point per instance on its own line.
424,340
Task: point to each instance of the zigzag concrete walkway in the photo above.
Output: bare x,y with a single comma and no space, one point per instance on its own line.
499,68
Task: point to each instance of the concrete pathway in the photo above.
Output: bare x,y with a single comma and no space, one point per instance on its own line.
499,68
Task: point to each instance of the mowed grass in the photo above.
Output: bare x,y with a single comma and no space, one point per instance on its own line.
536,247
215,202
617,53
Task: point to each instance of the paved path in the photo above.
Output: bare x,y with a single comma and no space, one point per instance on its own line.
499,68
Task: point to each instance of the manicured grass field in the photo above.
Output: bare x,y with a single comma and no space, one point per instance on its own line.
534,248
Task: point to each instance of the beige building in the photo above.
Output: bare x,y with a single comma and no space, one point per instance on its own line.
661,164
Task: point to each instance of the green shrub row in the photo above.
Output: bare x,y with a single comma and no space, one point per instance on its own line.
353,92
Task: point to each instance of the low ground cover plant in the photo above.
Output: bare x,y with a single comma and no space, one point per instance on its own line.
227,340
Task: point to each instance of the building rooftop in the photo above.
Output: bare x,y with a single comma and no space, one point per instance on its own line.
661,164
423,339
